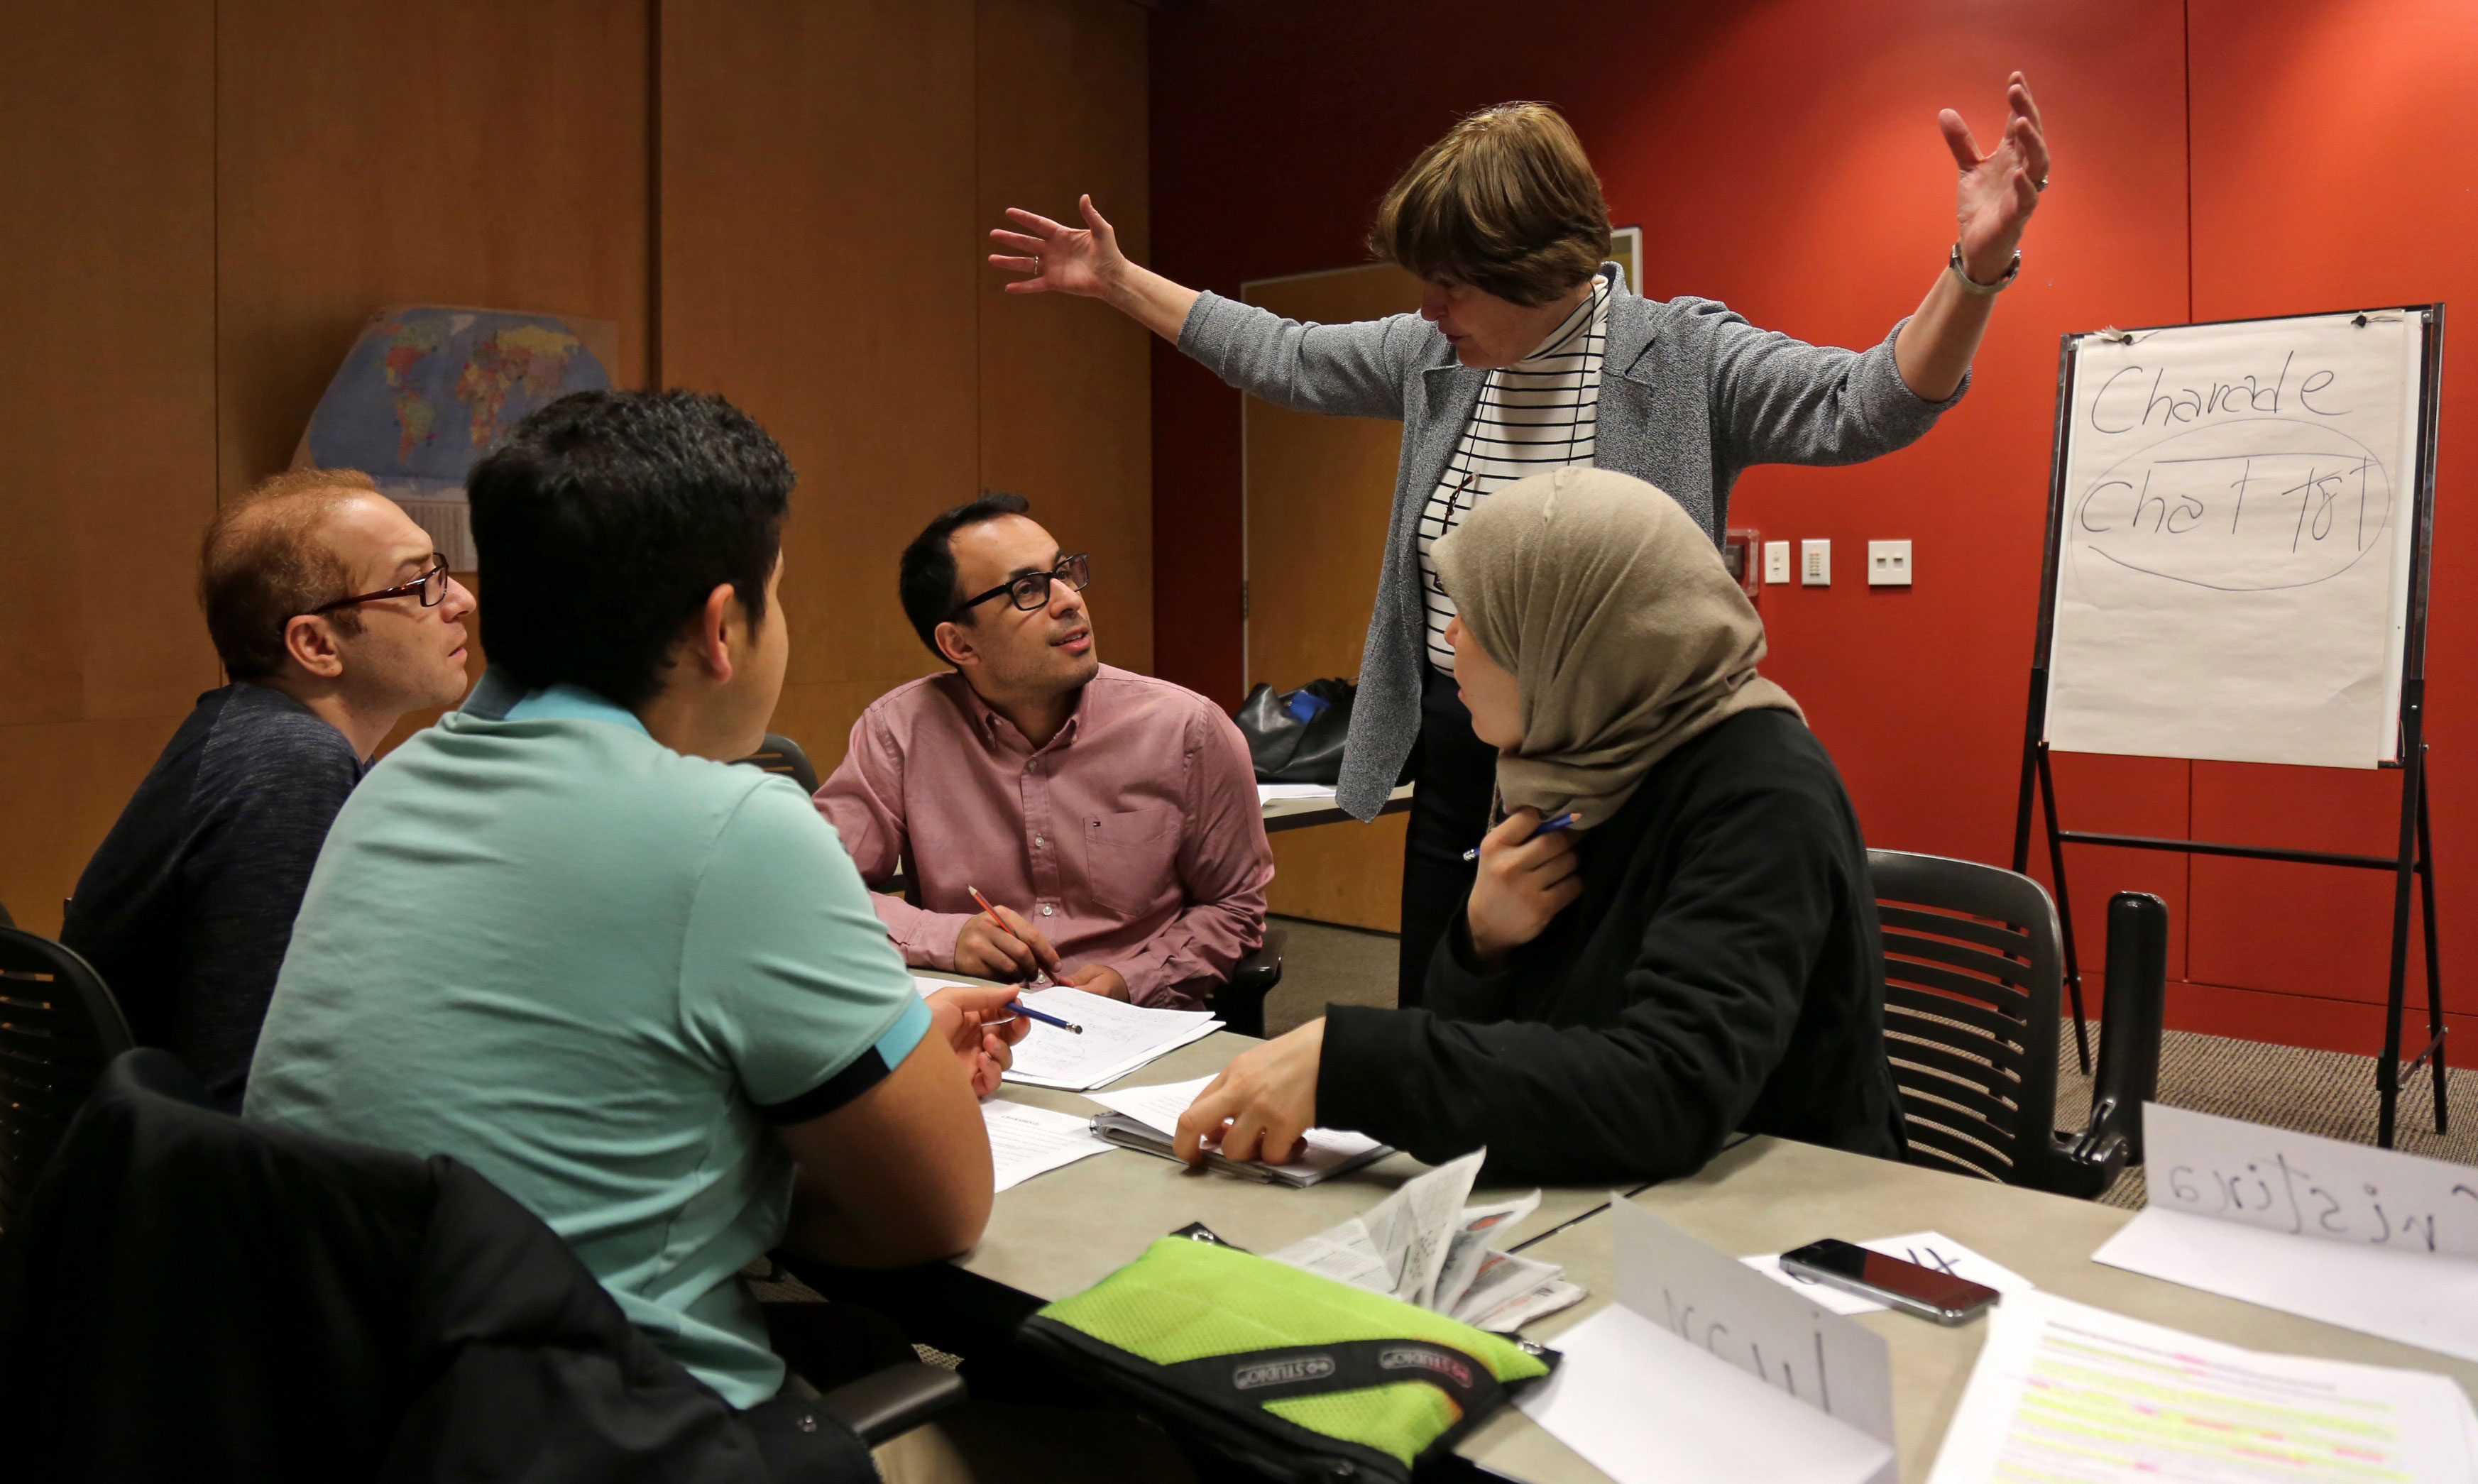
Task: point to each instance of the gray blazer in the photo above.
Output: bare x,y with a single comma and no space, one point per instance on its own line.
1691,395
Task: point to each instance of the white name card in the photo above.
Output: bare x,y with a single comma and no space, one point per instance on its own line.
2305,1186
1779,1336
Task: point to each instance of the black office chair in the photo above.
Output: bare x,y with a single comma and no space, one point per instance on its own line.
1240,1003
782,755
59,1028
6,920
1972,988
188,1295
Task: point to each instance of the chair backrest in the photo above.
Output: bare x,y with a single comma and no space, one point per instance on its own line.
1972,978
782,755
59,1027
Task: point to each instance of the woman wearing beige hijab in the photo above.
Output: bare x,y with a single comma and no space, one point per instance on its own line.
1697,954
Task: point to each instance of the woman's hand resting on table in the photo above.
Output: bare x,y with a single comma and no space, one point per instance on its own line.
1523,883
972,1021
1261,1105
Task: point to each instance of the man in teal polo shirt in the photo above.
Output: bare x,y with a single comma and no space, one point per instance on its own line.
642,991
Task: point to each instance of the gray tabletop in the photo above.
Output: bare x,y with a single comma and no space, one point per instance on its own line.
1062,1232
1768,1195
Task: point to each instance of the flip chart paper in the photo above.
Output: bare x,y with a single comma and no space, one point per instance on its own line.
2062,1391
2231,576
2371,1240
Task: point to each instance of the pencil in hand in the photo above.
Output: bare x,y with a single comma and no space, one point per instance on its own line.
1547,827
1040,976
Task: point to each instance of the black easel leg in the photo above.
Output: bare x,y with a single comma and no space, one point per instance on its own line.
2436,1029
2064,913
2396,987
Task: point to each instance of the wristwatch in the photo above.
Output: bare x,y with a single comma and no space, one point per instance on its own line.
1970,284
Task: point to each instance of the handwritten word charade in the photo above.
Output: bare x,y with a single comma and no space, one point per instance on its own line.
2311,1187
2125,403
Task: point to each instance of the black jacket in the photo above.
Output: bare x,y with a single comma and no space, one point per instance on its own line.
187,1297
1721,970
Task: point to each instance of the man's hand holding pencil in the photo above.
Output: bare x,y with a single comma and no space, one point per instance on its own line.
999,943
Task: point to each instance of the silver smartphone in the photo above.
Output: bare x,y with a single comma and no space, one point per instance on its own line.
1907,1287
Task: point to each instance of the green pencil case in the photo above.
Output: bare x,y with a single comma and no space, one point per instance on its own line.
1296,1376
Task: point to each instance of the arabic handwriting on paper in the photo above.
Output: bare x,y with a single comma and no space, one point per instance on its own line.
2310,1187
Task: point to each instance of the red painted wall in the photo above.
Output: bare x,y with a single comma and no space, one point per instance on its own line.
2254,157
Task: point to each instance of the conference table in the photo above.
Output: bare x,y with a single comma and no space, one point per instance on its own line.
1060,1232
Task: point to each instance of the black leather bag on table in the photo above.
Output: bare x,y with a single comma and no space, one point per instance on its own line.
1296,735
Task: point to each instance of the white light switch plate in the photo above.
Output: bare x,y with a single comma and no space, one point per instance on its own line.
1776,562
1888,564
1816,563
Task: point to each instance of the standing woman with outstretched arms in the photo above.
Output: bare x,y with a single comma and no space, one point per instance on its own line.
1530,353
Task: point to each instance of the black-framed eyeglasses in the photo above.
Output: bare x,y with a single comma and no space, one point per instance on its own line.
430,586
1031,591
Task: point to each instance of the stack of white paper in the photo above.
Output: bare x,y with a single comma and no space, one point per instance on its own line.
1707,1371
1026,1140
1327,1151
1275,793
2067,1392
1117,1039
2371,1240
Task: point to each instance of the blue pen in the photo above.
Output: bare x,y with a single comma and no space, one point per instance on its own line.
1018,1007
1547,827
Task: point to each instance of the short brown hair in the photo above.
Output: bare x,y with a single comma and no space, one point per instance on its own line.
1506,202
262,562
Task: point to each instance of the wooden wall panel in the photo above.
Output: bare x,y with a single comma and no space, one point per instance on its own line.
107,203
494,154
203,203
1066,389
820,268
1320,494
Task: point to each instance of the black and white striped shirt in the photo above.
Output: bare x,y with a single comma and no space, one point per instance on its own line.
1537,415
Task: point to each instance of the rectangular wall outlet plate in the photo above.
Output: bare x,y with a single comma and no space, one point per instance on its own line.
1776,562
1816,563
1888,564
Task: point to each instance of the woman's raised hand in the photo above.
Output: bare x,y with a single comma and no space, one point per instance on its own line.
1999,190
1069,260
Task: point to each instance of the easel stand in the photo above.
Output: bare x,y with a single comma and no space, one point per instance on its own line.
2414,862
2412,865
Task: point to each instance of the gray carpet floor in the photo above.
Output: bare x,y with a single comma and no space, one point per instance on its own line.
2326,1092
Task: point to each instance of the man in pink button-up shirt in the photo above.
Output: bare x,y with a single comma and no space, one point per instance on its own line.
1111,817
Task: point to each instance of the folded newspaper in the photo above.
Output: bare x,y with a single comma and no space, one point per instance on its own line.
1423,1246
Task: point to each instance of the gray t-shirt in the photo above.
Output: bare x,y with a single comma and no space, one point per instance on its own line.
187,906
